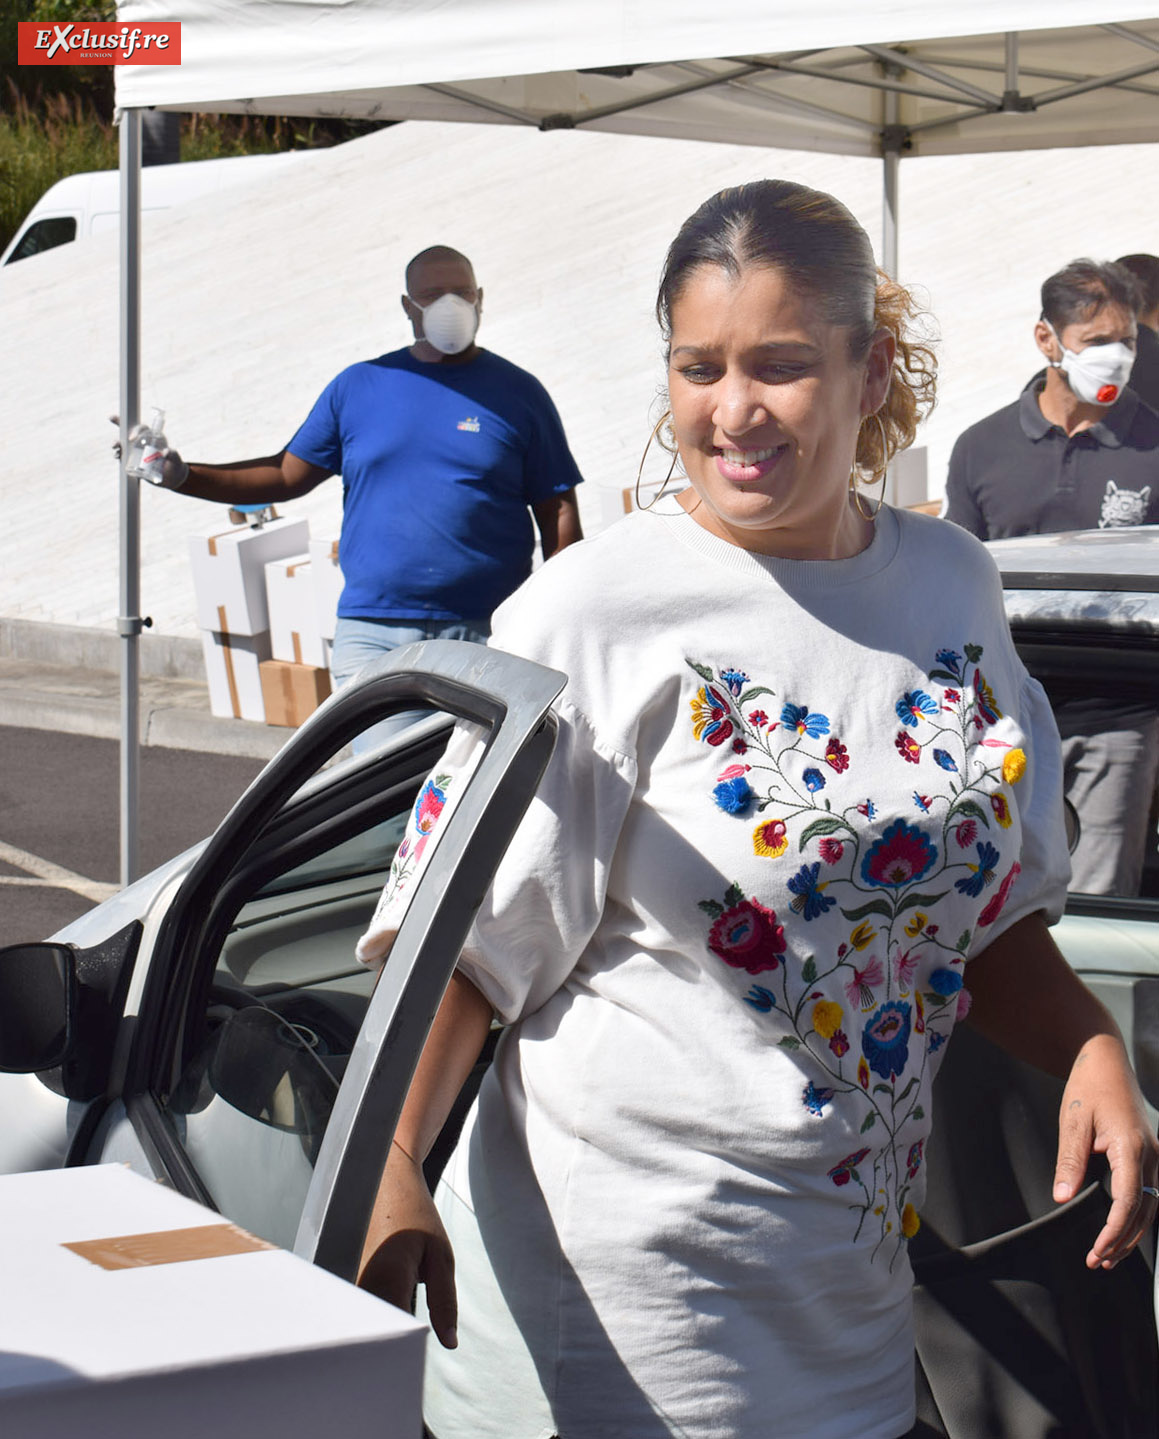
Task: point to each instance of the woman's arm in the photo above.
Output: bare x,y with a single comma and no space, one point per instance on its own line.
406,1244
1027,999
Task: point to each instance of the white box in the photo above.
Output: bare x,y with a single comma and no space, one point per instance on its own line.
328,584
908,481
232,669
166,1322
229,581
294,633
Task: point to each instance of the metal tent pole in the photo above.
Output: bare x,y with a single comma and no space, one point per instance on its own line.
128,620
891,165
890,177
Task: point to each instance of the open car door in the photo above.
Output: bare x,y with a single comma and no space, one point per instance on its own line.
267,1069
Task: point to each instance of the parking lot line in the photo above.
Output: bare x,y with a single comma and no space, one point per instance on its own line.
51,876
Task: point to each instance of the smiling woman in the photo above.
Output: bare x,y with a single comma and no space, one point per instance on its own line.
785,386
803,809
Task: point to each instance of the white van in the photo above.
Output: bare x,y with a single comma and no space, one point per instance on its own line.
90,203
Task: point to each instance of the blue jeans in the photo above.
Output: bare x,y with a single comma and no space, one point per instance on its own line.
358,642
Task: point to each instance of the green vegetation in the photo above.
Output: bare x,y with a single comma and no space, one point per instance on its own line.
57,121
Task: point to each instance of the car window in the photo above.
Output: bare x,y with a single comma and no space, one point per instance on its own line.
45,235
1097,657
281,1016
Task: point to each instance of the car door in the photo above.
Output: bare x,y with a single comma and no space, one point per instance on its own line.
1017,1339
267,1068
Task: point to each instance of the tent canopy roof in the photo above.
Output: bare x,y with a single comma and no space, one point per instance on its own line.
833,75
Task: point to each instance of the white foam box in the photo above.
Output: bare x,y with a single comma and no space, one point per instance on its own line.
131,1311
233,670
229,580
328,582
294,633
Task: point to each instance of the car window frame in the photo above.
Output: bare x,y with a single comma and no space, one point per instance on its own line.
282,817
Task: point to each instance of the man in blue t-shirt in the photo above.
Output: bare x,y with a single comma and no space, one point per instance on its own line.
446,452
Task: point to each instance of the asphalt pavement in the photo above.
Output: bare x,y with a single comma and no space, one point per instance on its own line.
58,801
174,710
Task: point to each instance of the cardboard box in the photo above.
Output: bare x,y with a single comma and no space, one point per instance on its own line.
294,632
291,693
232,667
328,582
132,1312
229,580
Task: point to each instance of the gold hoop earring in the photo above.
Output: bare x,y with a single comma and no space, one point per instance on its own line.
656,428
858,499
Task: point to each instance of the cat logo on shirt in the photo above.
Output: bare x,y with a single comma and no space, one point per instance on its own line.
470,423
1122,507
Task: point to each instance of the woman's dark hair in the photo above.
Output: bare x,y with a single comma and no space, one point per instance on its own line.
1145,269
1081,289
816,244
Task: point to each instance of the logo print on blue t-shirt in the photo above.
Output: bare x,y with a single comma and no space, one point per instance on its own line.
470,423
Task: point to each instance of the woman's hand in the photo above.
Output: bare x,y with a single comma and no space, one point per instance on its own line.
1102,1112
406,1245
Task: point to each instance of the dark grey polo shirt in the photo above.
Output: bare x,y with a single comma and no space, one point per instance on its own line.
1145,371
1014,473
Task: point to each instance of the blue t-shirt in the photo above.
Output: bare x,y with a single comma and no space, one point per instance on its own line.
439,464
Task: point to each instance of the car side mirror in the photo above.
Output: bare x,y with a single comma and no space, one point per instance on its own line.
37,1006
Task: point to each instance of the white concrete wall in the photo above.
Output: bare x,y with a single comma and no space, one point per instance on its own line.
253,301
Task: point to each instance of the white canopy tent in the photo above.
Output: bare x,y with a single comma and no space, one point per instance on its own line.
893,80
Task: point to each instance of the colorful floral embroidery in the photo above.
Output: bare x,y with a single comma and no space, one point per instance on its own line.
981,874
984,700
862,936
710,721
885,1039
994,908
902,855
424,819
836,755
815,1099
797,717
771,839
865,1013
809,902
845,1171
912,707
827,1018
860,988
734,796
745,934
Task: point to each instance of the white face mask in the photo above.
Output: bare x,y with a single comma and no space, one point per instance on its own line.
450,323
1097,374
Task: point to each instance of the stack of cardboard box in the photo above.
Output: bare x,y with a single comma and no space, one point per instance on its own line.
229,584
266,605
296,679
